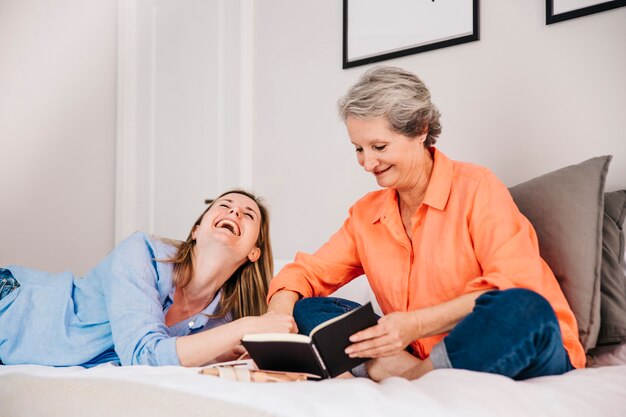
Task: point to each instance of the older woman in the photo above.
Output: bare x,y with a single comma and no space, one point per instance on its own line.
454,265
151,301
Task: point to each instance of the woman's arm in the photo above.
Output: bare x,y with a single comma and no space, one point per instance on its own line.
201,348
130,285
330,267
395,331
283,301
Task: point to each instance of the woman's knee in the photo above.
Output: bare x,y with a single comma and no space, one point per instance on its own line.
325,304
520,303
309,312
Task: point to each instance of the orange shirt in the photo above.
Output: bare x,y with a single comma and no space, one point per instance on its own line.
467,235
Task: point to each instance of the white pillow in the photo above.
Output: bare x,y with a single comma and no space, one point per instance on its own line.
359,290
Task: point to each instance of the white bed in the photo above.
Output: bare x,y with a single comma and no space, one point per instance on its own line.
107,390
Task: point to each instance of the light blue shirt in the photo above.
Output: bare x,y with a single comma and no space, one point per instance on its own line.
115,312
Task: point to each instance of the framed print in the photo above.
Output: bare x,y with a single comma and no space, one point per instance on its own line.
560,10
376,30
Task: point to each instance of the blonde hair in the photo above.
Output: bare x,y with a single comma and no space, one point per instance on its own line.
397,95
245,292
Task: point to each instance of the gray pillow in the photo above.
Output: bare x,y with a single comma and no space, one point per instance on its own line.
566,209
613,279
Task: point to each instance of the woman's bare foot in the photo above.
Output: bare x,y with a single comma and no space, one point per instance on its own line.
403,365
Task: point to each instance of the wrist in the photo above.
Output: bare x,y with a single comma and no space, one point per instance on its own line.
416,319
244,325
283,302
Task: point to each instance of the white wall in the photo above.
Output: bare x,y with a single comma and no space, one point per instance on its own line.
184,78
57,132
525,99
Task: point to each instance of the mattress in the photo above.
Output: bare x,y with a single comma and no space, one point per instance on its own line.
106,390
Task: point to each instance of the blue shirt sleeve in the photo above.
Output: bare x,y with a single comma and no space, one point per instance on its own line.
130,281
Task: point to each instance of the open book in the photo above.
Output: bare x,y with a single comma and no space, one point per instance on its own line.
321,353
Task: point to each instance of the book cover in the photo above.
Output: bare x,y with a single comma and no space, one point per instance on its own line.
321,353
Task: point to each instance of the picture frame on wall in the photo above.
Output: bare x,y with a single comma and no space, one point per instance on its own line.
375,30
560,10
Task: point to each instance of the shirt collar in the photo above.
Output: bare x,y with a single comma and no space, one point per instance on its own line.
440,183
202,317
389,203
437,193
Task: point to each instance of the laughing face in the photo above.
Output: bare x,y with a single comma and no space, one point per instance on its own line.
234,221
397,161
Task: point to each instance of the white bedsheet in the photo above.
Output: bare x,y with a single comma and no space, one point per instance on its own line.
585,392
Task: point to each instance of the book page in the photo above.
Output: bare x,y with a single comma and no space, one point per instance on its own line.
239,363
276,337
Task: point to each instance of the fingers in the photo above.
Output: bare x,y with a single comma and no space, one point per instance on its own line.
291,324
375,348
369,333
239,350
280,323
235,353
383,339
288,322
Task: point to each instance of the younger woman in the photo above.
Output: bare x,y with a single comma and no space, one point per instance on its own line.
151,301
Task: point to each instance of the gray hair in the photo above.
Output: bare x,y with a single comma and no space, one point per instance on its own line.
397,95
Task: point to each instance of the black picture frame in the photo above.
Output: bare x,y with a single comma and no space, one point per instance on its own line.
385,55
583,11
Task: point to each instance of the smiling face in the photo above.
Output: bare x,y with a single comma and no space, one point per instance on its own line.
396,160
233,221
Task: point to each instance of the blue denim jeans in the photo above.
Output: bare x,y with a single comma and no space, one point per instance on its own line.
7,283
309,312
512,332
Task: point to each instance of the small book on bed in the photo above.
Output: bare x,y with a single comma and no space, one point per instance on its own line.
321,353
